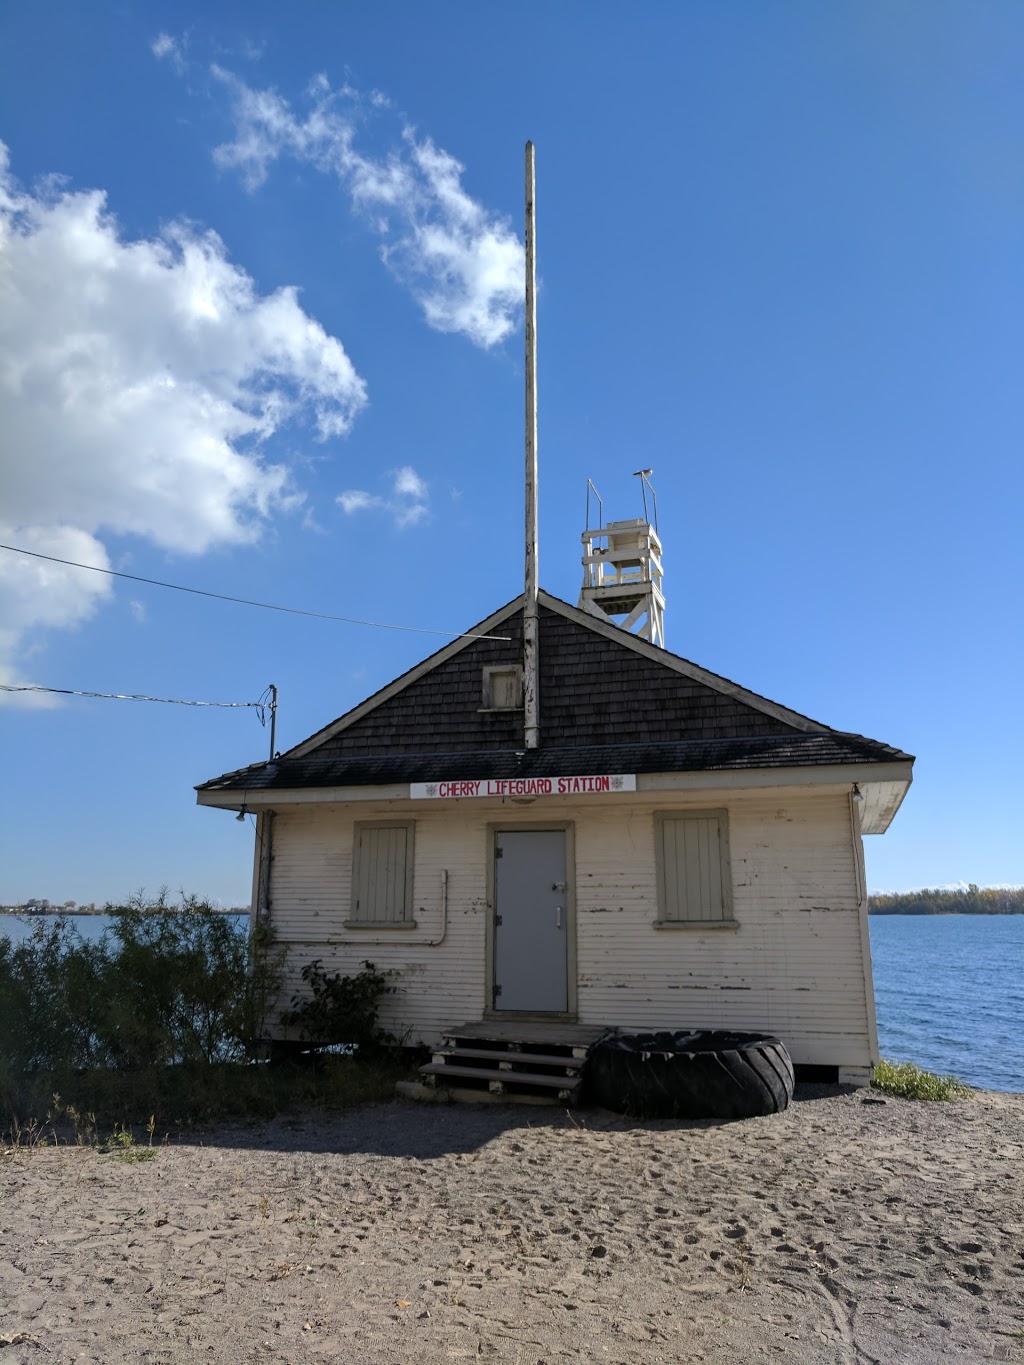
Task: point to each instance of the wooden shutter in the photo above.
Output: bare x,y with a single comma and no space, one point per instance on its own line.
382,875
693,866
502,688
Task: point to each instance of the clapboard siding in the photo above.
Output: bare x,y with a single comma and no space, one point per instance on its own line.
310,897
794,965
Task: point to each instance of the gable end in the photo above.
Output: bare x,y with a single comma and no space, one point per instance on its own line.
596,689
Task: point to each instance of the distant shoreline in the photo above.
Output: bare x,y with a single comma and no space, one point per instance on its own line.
945,914
19,913
16,912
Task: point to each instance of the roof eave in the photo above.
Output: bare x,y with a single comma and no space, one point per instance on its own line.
883,786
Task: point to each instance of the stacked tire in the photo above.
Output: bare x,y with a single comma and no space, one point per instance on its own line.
710,1074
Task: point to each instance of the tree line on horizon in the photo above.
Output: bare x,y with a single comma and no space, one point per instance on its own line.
962,900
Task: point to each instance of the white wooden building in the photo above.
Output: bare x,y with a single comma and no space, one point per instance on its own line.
677,853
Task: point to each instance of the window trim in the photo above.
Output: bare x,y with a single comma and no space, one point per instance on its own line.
359,827
489,671
664,920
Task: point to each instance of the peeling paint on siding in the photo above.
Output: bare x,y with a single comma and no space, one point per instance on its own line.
797,952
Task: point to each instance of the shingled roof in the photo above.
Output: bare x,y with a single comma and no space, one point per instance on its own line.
609,702
768,751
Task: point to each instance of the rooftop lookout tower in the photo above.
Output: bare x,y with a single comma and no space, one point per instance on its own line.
622,572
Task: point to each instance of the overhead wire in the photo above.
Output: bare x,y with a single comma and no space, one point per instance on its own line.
248,602
259,705
263,704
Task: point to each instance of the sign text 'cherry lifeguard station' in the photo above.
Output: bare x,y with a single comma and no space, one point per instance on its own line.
600,783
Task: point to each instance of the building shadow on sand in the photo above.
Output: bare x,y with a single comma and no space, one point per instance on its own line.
433,1131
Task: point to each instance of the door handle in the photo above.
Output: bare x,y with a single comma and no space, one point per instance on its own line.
558,917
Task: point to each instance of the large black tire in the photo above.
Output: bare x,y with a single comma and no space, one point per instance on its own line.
707,1075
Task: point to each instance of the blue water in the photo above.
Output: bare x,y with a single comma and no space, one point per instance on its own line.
89,927
949,990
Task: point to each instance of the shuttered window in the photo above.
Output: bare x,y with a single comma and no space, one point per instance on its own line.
694,880
503,688
382,865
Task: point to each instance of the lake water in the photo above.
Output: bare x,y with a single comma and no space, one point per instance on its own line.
90,927
949,990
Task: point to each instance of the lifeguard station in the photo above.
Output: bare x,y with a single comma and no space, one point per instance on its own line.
622,570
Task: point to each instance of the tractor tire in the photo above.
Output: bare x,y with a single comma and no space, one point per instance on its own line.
706,1075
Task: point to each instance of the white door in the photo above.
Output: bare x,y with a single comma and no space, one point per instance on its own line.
530,921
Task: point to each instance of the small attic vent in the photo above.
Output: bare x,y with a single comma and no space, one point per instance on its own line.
502,688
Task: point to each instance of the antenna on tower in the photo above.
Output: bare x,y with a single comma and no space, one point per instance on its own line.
600,504
644,475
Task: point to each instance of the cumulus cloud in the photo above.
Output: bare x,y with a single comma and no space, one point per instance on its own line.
35,592
140,382
407,504
462,262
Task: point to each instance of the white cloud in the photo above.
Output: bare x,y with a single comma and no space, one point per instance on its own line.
408,484
36,592
355,500
166,48
462,262
408,503
140,382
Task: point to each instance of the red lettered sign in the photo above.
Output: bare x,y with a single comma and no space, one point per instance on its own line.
598,784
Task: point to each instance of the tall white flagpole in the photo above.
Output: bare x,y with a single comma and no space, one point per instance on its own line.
531,631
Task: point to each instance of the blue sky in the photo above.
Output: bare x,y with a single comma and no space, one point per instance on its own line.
261,334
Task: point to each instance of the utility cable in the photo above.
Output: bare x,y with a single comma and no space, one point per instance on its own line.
127,696
247,602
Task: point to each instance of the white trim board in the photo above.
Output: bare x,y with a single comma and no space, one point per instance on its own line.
883,784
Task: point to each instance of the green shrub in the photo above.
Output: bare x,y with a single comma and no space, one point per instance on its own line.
341,1009
164,985
185,986
909,1082
50,1000
165,1016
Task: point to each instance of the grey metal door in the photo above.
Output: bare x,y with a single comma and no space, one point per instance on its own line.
531,921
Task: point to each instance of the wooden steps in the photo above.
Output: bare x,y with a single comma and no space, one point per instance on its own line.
497,1080
507,1059
471,1066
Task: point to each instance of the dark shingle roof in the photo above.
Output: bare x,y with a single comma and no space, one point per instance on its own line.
609,703
760,751
594,689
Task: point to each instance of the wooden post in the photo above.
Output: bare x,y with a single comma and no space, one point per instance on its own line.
531,632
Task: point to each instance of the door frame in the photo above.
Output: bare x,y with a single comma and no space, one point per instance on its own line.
568,827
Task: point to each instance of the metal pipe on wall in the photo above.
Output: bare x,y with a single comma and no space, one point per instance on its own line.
265,836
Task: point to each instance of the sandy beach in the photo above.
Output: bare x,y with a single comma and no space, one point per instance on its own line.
845,1230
